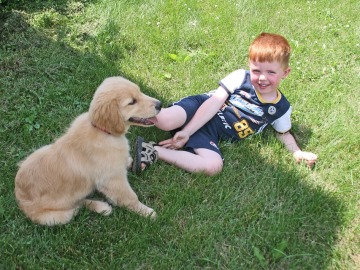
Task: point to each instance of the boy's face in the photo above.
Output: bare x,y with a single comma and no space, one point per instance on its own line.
266,76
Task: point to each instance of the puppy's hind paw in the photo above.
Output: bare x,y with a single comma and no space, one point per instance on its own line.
99,207
107,210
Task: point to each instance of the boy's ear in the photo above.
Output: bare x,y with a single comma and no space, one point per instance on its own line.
286,72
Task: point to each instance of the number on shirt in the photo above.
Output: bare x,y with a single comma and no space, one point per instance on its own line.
243,129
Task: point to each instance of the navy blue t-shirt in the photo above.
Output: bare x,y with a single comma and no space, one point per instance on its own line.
252,113
244,113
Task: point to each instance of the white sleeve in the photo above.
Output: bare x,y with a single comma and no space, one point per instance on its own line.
283,124
233,81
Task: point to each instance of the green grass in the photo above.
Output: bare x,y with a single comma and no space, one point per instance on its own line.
263,211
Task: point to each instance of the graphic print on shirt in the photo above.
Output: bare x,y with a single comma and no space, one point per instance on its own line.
243,129
248,113
223,119
221,115
245,106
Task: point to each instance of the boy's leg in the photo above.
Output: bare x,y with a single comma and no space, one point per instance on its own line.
170,118
204,160
179,113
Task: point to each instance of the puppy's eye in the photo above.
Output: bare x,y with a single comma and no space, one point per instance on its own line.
132,102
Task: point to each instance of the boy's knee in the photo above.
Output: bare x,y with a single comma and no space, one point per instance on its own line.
213,168
170,118
164,122
164,126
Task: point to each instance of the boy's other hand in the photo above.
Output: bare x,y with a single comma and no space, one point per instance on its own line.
178,141
308,157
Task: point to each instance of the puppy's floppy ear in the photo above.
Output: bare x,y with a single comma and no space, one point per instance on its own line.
106,115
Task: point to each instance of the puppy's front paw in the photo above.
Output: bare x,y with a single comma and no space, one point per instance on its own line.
153,215
149,213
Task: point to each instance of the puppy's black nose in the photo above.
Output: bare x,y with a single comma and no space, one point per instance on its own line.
158,105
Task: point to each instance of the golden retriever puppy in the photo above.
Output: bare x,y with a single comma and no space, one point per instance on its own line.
54,181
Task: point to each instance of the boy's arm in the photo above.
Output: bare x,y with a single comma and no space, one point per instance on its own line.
208,109
289,141
204,113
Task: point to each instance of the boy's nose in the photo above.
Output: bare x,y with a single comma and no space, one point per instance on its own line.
262,77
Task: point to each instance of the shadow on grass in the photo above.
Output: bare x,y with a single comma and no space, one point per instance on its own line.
33,6
256,214
283,216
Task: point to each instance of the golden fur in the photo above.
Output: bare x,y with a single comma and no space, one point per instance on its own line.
54,181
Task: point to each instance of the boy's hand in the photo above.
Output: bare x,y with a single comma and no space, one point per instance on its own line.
308,157
178,141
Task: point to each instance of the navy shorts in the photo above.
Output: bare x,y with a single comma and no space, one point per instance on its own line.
207,136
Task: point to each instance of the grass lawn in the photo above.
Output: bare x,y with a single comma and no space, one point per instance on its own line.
263,211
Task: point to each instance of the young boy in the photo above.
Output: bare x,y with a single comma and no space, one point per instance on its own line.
245,103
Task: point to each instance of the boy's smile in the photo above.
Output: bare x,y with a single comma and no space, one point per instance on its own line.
266,78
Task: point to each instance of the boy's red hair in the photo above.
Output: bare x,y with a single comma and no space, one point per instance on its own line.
269,47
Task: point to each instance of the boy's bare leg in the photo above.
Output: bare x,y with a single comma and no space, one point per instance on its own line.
205,161
170,118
